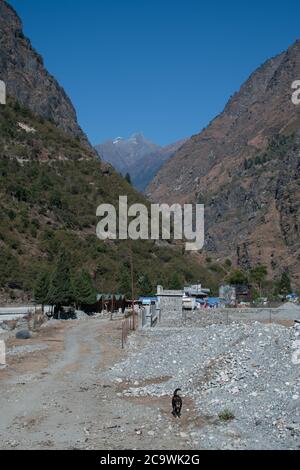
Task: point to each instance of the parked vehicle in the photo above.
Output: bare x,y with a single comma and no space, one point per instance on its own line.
189,303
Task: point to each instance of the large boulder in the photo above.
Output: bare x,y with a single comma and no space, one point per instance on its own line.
23,334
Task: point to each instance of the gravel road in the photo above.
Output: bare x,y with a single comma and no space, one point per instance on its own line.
69,404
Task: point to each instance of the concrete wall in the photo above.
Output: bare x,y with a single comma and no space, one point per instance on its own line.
169,300
2,92
171,304
2,353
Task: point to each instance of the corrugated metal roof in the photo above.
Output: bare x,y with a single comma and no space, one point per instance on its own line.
110,297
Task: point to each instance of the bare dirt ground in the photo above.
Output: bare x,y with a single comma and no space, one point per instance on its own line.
57,398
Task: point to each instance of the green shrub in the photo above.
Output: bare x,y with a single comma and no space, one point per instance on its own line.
226,415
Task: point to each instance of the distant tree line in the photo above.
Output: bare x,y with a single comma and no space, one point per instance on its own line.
256,277
143,284
61,288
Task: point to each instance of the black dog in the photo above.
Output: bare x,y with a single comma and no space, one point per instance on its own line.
176,403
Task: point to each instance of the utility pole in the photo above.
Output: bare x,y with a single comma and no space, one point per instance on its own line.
132,285
112,306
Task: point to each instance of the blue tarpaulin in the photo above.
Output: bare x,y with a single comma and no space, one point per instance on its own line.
147,300
292,296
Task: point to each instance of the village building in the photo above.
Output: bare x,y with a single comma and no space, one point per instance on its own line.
231,295
110,303
196,297
169,300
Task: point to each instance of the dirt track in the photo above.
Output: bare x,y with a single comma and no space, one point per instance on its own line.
56,399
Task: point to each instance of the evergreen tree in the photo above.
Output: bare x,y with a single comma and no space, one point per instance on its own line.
144,285
237,277
61,289
285,287
128,178
84,290
174,282
258,276
41,290
124,282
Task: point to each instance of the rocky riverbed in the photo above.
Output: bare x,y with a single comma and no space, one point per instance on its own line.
242,375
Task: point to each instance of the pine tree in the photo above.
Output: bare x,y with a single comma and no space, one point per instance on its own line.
285,284
258,276
41,290
61,289
144,285
124,282
237,277
84,290
174,282
128,178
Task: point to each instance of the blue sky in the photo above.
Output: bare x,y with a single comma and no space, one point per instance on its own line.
161,67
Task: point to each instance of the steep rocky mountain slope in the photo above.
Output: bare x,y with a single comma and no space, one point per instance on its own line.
245,167
51,183
137,156
22,69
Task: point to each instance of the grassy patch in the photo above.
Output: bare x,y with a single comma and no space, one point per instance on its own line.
226,415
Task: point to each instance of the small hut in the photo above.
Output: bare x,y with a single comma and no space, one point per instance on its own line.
110,302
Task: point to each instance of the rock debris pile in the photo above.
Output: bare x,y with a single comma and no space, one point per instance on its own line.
249,369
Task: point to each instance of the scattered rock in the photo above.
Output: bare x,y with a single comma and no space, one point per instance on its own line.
242,366
23,334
